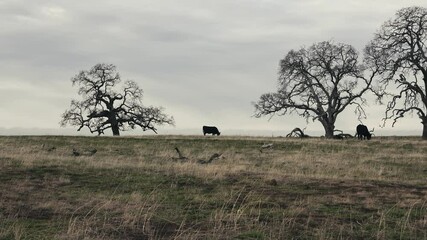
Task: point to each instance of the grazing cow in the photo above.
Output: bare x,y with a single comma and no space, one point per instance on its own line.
362,132
210,130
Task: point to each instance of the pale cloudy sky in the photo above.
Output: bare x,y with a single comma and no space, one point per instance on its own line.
204,61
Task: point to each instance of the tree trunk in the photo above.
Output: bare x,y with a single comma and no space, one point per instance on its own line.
115,129
114,124
424,137
329,129
329,132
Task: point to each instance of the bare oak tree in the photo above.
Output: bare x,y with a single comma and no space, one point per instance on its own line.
103,108
318,83
399,51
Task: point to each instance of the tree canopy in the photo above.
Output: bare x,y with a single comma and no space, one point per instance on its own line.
398,50
318,82
102,107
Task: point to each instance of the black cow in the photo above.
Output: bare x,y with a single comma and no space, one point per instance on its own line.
362,132
210,130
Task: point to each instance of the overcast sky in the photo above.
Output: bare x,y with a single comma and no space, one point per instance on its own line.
203,61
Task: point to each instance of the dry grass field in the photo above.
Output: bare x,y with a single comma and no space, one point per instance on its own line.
139,188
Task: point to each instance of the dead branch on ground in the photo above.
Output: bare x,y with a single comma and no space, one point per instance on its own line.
180,155
297,132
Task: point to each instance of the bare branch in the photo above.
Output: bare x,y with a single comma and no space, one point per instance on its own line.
318,83
102,108
398,51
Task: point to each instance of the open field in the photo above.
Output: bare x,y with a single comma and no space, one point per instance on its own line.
138,188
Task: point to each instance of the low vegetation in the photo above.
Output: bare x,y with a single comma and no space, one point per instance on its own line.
139,188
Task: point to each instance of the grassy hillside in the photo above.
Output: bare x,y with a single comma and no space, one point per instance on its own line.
139,188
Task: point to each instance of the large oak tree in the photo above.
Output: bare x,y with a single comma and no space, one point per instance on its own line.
318,82
399,51
102,107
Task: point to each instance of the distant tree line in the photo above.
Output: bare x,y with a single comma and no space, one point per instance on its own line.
320,81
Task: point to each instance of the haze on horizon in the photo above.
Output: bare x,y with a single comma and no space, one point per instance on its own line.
205,62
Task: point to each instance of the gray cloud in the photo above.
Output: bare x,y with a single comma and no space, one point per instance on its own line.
204,61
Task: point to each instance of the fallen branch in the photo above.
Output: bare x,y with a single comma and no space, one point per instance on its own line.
49,149
341,135
297,132
180,155
266,146
213,157
90,152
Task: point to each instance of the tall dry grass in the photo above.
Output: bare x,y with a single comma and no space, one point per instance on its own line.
383,159
300,188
